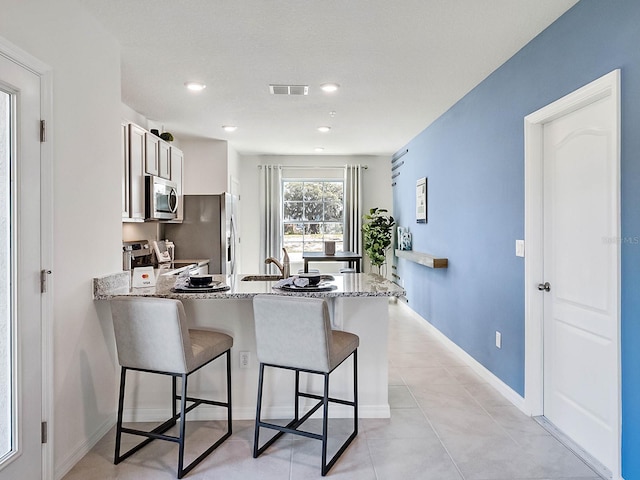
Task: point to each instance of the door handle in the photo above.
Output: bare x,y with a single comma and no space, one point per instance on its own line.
544,287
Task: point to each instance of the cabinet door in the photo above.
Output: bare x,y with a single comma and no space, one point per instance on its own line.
137,149
164,160
151,154
124,163
177,163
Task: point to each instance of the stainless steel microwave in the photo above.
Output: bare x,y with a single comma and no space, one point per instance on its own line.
161,198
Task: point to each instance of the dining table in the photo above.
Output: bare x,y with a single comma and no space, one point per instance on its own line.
353,258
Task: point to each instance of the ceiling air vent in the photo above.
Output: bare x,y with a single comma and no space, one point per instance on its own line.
289,89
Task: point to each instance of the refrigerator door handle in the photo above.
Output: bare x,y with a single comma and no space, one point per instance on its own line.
231,248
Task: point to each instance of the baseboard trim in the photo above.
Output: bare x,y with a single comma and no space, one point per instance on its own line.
505,390
82,448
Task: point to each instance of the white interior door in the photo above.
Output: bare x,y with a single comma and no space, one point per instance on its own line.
581,265
20,297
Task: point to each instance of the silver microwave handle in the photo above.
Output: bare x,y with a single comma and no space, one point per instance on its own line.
173,200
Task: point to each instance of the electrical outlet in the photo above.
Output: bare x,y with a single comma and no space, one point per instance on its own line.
498,339
244,359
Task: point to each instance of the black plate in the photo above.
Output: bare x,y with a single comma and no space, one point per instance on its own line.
212,287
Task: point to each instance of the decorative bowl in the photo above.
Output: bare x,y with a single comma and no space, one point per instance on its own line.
314,278
200,280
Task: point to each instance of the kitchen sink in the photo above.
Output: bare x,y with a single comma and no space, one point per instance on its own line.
275,278
261,278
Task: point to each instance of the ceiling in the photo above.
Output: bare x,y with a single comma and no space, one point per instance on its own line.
400,65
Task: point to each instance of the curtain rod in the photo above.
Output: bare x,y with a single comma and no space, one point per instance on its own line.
308,167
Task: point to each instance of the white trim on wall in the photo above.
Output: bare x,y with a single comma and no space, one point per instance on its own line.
607,85
44,71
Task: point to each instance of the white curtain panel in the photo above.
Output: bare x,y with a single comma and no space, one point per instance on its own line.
353,211
271,213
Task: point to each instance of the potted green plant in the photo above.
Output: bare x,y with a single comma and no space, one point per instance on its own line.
377,231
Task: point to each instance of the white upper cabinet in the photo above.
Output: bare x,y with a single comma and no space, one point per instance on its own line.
137,150
143,154
124,165
164,160
152,155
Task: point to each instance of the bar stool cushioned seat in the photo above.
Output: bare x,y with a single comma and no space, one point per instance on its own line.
152,336
295,333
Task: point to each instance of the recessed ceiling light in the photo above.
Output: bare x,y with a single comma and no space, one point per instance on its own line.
318,149
229,128
332,113
324,129
195,86
329,87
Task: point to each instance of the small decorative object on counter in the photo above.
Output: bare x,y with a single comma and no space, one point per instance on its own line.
143,277
310,278
200,279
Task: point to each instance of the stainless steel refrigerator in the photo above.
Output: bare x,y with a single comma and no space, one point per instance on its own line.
207,231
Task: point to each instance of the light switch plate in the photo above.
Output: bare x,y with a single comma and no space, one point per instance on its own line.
519,248
245,358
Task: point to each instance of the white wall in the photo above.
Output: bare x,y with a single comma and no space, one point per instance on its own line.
376,185
130,115
85,62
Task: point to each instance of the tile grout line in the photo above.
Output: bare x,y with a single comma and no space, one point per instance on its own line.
455,464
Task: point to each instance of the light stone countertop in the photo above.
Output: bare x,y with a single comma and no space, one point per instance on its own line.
347,285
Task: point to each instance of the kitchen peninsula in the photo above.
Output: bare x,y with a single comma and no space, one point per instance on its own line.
358,303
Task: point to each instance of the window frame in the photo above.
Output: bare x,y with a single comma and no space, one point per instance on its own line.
284,222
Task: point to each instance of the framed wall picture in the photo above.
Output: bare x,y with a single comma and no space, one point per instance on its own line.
421,200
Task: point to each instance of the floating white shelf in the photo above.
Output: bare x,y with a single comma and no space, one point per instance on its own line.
423,259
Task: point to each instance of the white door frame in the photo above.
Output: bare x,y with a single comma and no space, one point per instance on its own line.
19,56
608,85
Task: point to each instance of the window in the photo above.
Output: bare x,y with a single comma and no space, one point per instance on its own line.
313,213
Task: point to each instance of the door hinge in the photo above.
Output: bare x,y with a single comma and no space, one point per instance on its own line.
43,131
44,275
43,432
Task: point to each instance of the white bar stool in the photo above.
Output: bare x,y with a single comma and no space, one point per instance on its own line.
152,336
294,333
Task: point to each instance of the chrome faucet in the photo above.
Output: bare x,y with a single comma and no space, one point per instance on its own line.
283,267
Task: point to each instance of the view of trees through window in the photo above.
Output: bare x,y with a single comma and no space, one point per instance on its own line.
313,213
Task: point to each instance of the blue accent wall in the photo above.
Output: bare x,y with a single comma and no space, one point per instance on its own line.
473,156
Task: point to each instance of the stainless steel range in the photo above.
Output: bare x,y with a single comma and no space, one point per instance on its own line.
136,254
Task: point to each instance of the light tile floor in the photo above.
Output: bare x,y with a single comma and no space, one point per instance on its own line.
446,423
